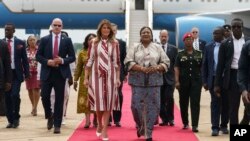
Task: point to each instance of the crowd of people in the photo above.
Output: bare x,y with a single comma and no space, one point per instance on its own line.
154,70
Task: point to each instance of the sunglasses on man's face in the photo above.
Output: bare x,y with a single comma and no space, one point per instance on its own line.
57,25
195,32
236,26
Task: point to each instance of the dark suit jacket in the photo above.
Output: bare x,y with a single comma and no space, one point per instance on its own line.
225,59
6,73
20,59
244,68
123,71
168,77
208,64
45,52
202,45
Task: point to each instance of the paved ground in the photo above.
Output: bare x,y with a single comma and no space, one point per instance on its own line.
34,128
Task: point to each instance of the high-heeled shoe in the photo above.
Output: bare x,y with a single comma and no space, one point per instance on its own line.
105,139
98,134
87,125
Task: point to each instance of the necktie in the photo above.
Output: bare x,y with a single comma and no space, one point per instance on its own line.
9,47
196,45
55,53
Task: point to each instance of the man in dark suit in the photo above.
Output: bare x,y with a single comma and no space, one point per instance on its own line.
243,81
198,43
20,69
5,75
167,89
226,73
219,105
55,53
117,114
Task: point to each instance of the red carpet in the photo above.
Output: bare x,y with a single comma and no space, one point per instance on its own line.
128,132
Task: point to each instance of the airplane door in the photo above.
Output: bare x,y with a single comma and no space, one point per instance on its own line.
28,6
139,4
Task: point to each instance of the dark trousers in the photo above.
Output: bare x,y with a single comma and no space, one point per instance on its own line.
56,81
167,103
2,103
246,117
118,114
190,89
12,99
234,95
219,110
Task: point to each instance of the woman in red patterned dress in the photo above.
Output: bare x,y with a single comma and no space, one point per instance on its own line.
102,75
32,84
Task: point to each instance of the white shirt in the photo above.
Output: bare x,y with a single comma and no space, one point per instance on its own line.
238,44
196,44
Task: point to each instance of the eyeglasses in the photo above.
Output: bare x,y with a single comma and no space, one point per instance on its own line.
58,25
236,26
195,32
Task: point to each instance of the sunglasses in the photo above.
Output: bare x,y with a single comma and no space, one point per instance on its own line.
58,25
236,26
194,32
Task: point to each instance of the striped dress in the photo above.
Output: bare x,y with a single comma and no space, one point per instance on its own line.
104,60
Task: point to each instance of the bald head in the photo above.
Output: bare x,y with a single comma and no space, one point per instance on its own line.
195,32
163,36
57,25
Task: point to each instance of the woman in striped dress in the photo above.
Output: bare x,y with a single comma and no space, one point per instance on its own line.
102,73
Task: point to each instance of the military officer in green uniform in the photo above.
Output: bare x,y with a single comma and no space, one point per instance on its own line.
188,81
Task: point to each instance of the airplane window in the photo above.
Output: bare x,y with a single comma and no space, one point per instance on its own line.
240,0
190,0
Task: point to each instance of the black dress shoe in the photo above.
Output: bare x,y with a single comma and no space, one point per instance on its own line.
15,123
185,126
215,132
57,130
224,130
195,129
171,123
118,124
50,123
138,133
10,125
163,124
149,139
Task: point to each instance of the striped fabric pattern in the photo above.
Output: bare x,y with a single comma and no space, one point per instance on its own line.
104,60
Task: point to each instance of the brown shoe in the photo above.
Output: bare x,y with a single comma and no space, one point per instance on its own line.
57,130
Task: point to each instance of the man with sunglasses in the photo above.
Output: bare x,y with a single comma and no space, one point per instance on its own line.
198,43
55,53
227,68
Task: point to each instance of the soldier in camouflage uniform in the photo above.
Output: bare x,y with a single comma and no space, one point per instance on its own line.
188,81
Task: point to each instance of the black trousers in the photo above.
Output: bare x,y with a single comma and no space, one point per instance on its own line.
190,90
2,103
167,103
12,100
219,109
118,114
57,82
234,95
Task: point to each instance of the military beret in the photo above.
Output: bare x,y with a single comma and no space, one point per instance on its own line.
186,35
227,26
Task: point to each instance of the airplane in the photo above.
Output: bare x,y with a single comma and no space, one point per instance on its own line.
178,16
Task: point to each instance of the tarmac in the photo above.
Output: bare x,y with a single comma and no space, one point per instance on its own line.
33,128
